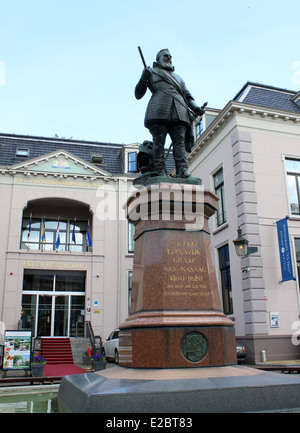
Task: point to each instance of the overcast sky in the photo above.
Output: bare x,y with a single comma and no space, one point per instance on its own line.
69,67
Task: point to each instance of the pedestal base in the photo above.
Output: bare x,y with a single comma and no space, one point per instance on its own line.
212,389
170,340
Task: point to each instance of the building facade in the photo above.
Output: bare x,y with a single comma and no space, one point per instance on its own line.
250,157
66,248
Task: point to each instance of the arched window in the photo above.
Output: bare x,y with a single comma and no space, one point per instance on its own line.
56,224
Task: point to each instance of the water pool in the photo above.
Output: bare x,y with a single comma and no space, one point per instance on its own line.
29,402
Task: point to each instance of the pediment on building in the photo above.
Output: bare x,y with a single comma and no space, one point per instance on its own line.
60,162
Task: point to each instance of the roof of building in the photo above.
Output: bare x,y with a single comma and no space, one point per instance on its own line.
268,96
39,146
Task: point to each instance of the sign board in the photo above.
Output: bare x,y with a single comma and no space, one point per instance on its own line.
285,250
17,350
274,319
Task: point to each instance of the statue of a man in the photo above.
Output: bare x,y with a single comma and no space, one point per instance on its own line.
168,112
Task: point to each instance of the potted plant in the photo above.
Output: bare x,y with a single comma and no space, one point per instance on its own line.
37,366
99,362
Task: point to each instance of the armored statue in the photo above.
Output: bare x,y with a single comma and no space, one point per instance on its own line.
171,110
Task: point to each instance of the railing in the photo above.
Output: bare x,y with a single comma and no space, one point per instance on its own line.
95,342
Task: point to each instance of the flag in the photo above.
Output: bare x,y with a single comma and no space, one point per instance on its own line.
43,237
73,232
57,235
88,237
285,254
29,230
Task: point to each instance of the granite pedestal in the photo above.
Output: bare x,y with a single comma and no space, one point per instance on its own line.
176,318
175,391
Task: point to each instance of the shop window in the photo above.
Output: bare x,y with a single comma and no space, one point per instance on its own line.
221,217
224,265
42,234
292,168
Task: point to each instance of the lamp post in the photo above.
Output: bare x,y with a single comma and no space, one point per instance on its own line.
241,245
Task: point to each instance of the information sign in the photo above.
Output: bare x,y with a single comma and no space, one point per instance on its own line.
17,350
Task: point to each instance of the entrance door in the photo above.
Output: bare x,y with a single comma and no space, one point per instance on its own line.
44,318
61,316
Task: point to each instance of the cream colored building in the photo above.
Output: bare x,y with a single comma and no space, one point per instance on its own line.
250,156
51,288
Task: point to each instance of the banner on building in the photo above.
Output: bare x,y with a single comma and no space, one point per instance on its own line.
285,250
17,349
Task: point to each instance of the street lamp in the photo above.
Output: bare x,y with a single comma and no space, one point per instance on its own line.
241,245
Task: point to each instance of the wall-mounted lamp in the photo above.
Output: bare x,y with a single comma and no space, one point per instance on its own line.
241,245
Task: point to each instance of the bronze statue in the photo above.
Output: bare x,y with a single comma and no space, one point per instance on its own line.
171,110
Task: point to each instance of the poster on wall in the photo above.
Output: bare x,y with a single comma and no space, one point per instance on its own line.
17,349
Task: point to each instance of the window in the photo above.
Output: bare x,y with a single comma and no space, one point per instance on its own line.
72,234
297,248
131,230
292,168
132,162
21,151
199,128
224,264
219,191
129,290
204,123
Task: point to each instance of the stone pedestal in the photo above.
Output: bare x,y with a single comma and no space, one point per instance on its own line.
176,318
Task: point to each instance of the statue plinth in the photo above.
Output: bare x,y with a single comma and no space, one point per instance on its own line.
176,318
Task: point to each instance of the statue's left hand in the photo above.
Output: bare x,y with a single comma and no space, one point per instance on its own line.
198,111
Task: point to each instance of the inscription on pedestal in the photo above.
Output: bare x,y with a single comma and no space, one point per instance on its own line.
185,273
194,346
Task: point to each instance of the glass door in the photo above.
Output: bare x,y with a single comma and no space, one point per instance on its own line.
61,316
44,316
77,316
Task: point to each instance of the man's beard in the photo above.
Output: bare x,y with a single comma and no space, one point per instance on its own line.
165,65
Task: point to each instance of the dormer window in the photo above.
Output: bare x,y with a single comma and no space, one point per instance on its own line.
132,162
22,151
128,156
296,99
97,158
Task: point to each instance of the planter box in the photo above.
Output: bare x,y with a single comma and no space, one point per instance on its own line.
37,370
99,365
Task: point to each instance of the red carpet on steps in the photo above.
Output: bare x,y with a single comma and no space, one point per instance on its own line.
59,357
62,370
57,350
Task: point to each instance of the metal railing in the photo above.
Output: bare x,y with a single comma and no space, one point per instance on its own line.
95,341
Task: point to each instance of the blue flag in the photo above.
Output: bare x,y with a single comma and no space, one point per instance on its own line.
29,230
88,237
43,238
57,236
285,250
73,232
